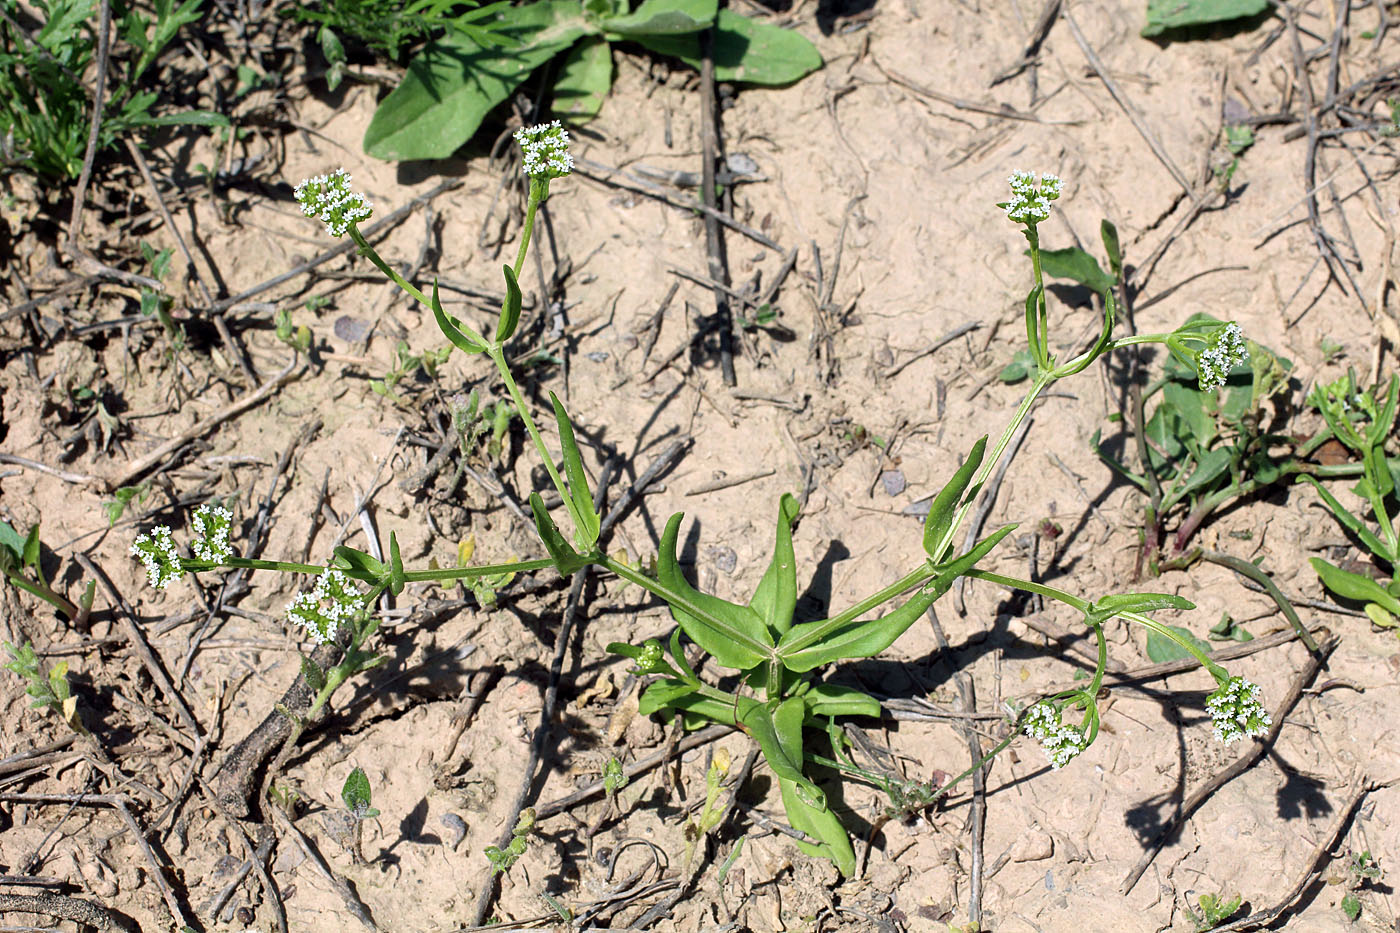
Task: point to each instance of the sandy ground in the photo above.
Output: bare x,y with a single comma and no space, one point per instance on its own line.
870,165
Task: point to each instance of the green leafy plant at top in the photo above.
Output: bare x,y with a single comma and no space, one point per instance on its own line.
389,26
44,100
1169,15
456,80
779,694
20,566
1363,420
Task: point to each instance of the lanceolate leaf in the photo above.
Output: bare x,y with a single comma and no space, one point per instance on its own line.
1076,265
466,341
776,596
818,823
566,560
454,82
745,51
662,18
585,516
1354,586
510,308
735,635
1177,14
945,504
834,700
585,77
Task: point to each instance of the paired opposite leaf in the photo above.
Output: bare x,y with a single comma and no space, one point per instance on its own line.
510,308
467,341
776,596
580,503
1077,265
735,635
1354,586
945,505
566,560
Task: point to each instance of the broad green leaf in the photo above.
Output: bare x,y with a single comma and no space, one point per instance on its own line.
585,77
1161,649
454,82
566,560
510,308
1380,618
1109,234
735,635
11,540
662,695
585,516
758,721
467,341
745,51
315,677
396,572
1076,265
32,548
662,18
1354,585
834,700
818,823
776,596
355,793
361,565
1194,426
945,505
1176,14
812,644
1213,465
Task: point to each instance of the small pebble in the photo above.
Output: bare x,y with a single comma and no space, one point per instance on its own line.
597,356
456,829
893,481
724,557
350,329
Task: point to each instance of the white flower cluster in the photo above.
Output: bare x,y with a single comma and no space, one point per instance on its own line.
1236,711
1030,204
157,551
329,198
546,149
1225,352
1060,742
322,611
211,527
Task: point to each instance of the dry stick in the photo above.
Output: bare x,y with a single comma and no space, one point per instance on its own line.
728,482
342,887
219,307
1311,868
137,639
1122,100
144,464
714,239
84,913
1256,750
989,498
225,335
934,347
1048,14
217,902
967,692
273,894
562,640
104,35
64,475
957,103
604,174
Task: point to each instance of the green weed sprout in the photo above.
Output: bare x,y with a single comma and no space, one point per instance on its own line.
1213,910
49,690
782,696
356,795
1363,420
502,859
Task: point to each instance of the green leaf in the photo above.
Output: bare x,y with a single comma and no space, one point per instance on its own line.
1019,369
1176,14
662,695
1351,906
1161,649
348,558
396,572
834,700
944,507
1109,234
778,746
355,793
864,639
454,82
566,560
467,341
315,677
735,635
30,553
1213,466
1354,585
585,77
776,596
585,516
510,308
1380,618
1110,606
745,51
1349,521
662,18
183,118
1076,265
821,824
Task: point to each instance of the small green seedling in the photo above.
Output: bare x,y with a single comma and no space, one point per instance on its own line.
406,364
20,565
297,337
122,498
1214,910
1363,870
710,816
502,859
1363,420
48,690
356,795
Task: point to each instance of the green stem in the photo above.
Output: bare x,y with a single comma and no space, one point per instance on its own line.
497,355
369,252
1252,571
539,190
913,578
1030,586
459,573
47,595
1219,673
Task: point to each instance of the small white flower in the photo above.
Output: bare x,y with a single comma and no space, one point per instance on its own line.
546,150
1225,351
1060,742
1030,204
330,198
211,528
1236,711
333,602
157,551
